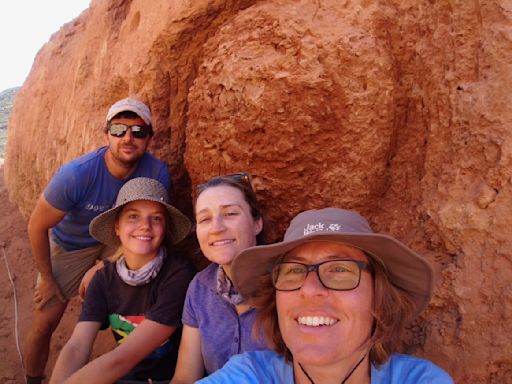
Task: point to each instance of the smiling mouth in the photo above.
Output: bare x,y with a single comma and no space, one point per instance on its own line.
143,238
316,321
221,242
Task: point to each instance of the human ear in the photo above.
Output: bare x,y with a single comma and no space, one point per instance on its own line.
258,227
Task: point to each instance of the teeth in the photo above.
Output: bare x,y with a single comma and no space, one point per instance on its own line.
315,321
222,242
145,238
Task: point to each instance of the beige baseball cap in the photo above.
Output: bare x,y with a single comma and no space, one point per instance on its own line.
129,104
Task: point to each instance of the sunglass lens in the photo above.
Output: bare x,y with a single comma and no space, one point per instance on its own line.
118,130
139,132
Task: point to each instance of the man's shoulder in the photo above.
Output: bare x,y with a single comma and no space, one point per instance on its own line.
151,159
89,159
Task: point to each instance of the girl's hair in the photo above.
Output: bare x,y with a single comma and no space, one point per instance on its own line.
249,196
392,310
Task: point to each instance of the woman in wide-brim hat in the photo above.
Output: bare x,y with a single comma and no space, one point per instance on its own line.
140,295
334,298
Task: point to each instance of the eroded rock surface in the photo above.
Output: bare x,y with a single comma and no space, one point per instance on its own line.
399,109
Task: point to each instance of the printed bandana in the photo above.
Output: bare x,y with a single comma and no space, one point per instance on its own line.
143,275
225,288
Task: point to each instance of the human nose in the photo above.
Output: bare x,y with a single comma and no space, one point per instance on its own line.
312,286
145,222
217,224
128,136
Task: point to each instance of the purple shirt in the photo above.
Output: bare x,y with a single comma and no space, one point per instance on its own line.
224,333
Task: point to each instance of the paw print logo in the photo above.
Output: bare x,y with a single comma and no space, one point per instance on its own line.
334,227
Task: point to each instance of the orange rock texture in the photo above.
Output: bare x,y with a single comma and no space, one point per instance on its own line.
400,109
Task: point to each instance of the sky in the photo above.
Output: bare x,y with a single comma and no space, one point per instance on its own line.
25,26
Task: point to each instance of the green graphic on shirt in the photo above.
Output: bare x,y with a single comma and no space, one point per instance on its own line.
122,326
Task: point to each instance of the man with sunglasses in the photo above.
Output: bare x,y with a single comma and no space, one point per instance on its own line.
59,225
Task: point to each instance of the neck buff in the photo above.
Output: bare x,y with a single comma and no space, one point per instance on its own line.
225,288
142,275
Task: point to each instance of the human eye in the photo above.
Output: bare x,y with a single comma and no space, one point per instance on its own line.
203,219
132,216
158,218
340,267
293,269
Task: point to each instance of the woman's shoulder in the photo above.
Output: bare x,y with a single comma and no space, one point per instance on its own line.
206,277
409,369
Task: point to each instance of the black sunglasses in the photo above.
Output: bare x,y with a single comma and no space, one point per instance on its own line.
138,131
242,176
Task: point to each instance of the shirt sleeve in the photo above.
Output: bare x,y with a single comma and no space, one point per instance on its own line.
94,307
62,191
168,306
432,374
189,315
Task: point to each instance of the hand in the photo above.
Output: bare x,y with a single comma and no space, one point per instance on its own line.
87,278
46,290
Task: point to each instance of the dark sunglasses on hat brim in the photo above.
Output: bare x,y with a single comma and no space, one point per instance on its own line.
240,176
138,131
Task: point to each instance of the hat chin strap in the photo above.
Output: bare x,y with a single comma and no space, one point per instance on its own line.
365,344
346,377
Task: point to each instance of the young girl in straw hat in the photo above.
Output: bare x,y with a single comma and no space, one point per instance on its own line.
140,295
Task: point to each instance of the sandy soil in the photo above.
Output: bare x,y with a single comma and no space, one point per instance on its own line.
15,253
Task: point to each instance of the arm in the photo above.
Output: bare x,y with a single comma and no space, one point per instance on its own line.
88,277
76,352
190,366
115,364
44,217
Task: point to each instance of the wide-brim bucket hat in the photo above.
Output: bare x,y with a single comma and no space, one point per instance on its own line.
140,188
405,268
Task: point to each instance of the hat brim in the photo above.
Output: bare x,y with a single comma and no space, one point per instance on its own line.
102,226
406,269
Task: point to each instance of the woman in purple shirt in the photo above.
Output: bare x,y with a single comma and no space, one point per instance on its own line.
217,323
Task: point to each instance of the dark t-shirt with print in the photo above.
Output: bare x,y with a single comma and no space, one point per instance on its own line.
112,302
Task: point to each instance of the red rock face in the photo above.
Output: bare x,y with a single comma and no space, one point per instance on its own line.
398,109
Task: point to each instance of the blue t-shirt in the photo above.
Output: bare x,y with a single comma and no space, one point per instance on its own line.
224,333
270,368
84,188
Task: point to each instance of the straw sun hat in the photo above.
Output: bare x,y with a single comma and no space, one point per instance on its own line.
140,188
405,268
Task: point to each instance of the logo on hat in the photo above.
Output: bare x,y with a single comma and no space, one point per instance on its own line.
321,227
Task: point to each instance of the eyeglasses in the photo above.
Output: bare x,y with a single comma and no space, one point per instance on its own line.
242,176
338,275
138,131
